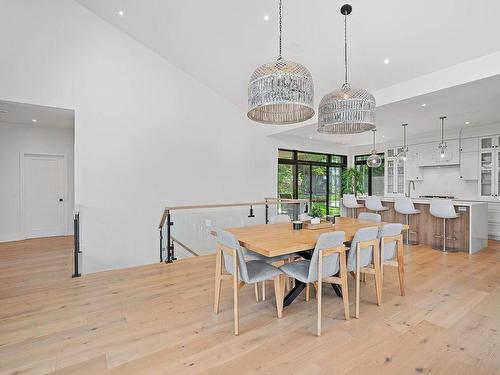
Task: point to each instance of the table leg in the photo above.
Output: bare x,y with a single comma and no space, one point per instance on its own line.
294,293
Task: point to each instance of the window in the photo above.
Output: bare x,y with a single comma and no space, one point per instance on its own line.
312,176
373,178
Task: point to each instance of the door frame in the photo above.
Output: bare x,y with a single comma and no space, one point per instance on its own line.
22,169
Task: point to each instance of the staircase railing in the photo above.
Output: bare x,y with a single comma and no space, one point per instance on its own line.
167,223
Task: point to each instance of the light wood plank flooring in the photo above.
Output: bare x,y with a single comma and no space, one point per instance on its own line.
158,319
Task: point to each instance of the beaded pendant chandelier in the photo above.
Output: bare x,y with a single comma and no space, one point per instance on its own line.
347,110
403,154
280,92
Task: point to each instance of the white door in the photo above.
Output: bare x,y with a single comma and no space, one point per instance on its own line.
44,195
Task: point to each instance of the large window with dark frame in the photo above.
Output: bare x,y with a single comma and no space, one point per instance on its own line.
373,178
313,176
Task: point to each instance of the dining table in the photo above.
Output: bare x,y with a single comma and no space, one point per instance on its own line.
272,240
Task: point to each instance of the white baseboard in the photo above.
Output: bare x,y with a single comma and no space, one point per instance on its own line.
10,238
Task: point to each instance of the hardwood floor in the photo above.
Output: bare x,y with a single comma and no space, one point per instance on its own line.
158,319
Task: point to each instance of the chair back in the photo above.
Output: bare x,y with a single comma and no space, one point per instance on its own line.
279,219
349,201
404,205
362,235
304,217
330,262
372,202
443,208
389,230
370,216
228,239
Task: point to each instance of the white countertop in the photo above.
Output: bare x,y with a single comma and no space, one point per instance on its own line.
456,202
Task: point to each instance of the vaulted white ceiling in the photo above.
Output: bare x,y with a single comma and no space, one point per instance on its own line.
24,114
221,42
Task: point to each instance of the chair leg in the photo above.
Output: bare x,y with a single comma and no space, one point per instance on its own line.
358,259
444,234
264,290
401,268
218,279
279,294
236,294
345,288
378,279
382,261
256,288
320,289
307,291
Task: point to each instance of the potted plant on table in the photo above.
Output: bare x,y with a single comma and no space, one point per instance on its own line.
316,213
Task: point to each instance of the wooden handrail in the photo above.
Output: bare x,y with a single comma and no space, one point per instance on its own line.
261,203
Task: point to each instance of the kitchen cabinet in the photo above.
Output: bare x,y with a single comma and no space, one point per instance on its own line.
489,183
469,144
413,171
430,156
469,162
394,173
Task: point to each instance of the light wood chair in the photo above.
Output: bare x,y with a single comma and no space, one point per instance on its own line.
391,246
230,264
327,260
364,258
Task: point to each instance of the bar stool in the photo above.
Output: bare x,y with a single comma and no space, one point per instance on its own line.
350,201
404,205
443,209
373,203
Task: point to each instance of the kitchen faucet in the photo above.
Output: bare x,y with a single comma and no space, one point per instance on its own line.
411,182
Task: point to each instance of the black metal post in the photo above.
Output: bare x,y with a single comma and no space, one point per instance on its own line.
170,247
251,212
267,213
161,244
76,239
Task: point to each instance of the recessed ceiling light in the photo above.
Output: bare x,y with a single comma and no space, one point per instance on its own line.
310,137
266,17
423,104
383,136
33,120
386,61
121,13
467,122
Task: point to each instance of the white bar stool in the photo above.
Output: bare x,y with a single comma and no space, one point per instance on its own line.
373,203
404,205
350,201
443,209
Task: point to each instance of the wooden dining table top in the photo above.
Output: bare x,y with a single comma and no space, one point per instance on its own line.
279,239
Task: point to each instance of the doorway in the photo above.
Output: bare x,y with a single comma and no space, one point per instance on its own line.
43,195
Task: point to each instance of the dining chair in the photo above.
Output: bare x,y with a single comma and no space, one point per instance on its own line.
327,260
276,219
364,257
391,246
370,216
241,272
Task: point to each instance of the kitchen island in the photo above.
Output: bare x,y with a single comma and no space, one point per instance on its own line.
469,230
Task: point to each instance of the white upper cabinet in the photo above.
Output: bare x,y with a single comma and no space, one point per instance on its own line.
469,145
394,173
489,143
412,169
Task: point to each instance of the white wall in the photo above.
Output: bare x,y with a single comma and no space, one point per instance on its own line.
147,135
14,139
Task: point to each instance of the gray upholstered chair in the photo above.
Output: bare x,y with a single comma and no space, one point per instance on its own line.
444,209
327,260
364,257
276,219
405,206
241,272
350,201
391,246
373,203
370,216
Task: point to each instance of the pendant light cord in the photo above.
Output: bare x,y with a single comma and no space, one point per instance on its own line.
280,31
442,129
345,47
373,139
